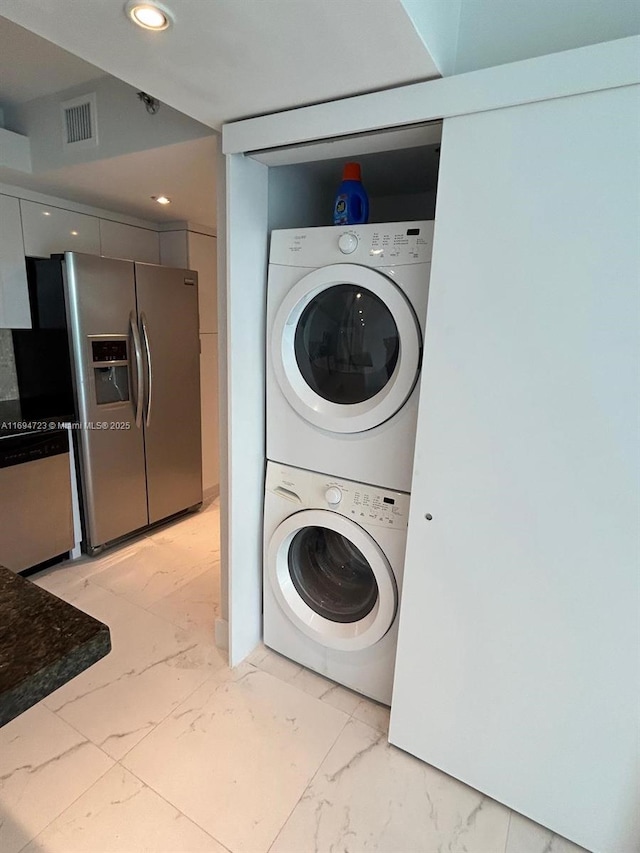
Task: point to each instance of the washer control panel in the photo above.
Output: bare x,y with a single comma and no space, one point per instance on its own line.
367,505
371,505
385,244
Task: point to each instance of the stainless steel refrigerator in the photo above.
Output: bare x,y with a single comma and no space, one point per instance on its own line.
135,354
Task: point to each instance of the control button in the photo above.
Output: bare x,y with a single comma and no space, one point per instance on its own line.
333,495
347,243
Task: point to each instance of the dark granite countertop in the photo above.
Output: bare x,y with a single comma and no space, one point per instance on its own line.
44,642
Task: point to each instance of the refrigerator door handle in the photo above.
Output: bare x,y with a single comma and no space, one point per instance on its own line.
147,348
139,375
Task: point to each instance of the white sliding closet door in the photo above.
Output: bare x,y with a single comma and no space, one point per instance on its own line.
518,665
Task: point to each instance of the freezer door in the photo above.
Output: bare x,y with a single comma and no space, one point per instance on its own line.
168,313
100,297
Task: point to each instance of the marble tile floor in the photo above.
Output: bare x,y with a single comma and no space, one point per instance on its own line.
161,748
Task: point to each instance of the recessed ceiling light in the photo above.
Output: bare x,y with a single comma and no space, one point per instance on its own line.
161,199
150,16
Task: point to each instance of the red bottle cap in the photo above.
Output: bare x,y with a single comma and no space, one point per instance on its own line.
351,172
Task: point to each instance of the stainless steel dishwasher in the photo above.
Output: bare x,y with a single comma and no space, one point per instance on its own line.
36,519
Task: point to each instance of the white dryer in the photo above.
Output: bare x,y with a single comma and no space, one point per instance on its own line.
333,560
346,309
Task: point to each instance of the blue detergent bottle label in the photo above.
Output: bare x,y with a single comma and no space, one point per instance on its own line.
340,216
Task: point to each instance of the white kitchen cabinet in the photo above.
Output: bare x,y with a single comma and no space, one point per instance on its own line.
210,412
196,251
202,258
14,295
517,663
49,229
174,251
118,240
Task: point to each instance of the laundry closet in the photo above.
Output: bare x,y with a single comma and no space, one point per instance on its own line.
345,316
519,601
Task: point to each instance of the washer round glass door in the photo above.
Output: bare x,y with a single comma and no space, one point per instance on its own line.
332,580
346,348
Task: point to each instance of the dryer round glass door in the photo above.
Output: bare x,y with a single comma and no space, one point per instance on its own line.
346,348
332,580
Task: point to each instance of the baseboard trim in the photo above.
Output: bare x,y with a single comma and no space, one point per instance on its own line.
211,493
222,634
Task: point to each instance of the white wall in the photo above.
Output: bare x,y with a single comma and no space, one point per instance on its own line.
494,32
465,35
297,197
437,24
124,125
222,624
246,262
15,151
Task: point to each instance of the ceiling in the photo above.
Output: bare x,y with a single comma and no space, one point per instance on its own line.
228,59
31,67
233,57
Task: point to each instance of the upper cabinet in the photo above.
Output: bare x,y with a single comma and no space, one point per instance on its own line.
40,230
195,251
129,242
14,296
48,230
174,251
202,258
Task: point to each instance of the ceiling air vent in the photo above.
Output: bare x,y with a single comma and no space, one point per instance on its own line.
79,127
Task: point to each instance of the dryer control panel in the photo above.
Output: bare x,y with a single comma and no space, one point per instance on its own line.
380,245
370,505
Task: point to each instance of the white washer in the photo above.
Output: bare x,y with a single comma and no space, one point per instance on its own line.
333,560
346,309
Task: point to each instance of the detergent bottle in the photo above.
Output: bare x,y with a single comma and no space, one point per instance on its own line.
352,203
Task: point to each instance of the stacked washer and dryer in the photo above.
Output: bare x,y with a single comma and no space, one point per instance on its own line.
346,309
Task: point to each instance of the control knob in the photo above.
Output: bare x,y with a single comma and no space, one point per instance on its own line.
333,495
347,243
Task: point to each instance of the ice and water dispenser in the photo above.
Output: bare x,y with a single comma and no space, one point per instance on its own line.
110,362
